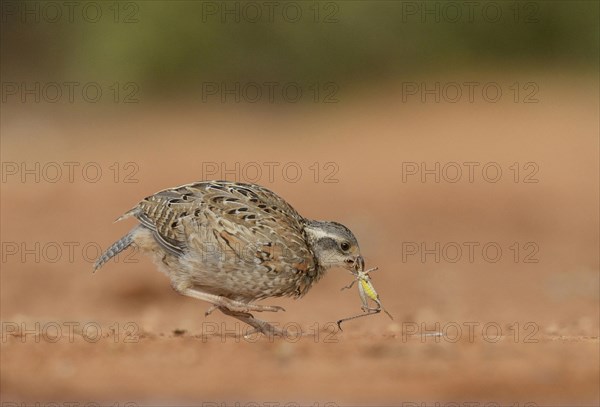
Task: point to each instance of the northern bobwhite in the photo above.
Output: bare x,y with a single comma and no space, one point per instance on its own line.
232,244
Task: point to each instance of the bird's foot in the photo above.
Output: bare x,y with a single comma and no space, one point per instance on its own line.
262,327
246,308
268,308
257,325
224,302
210,310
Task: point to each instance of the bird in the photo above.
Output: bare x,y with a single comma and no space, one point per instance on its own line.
232,244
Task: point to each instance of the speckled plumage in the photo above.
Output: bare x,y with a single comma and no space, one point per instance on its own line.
233,243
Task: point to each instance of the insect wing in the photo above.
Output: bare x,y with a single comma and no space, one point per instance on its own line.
364,296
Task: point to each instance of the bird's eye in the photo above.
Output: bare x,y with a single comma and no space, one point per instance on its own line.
345,246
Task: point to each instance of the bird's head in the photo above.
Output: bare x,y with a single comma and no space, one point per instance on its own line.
334,245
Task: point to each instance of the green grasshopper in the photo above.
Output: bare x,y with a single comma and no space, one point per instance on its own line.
366,292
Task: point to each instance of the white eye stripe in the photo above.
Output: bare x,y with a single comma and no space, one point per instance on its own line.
323,234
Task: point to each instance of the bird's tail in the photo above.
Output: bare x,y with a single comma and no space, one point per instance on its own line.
116,248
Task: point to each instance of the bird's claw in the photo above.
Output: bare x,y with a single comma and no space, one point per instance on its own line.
210,310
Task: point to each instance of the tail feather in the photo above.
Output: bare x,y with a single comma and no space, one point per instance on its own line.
116,248
132,212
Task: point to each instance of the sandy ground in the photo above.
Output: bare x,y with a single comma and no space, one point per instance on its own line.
517,327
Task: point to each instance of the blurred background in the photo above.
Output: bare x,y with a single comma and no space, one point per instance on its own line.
458,140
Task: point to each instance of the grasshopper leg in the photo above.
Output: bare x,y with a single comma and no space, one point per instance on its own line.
368,311
348,286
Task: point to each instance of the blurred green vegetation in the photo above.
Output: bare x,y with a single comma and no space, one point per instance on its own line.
179,44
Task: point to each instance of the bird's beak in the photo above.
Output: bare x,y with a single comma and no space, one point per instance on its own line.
360,263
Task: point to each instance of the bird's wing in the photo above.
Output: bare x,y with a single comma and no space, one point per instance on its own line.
230,226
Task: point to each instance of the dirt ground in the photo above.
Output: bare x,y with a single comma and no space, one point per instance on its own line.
518,328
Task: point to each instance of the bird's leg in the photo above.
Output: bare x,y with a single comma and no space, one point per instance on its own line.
233,305
258,325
